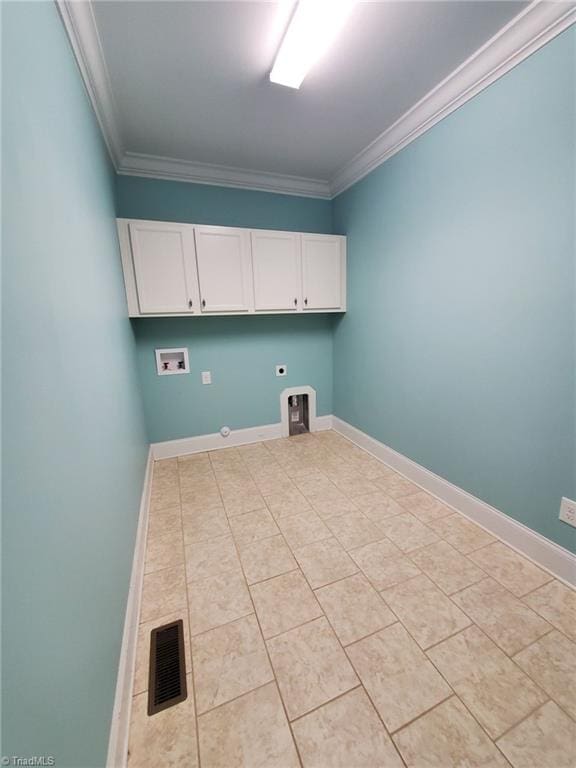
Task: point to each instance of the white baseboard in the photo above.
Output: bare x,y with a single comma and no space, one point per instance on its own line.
212,442
120,726
545,553
323,423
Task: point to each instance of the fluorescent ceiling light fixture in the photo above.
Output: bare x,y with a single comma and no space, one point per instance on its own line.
313,27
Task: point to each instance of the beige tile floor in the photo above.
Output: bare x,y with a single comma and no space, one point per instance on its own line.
339,616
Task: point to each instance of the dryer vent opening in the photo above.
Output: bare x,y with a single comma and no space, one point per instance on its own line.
298,415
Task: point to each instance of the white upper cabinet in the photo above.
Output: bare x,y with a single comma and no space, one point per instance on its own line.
224,269
185,269
323,272
277,274
164,267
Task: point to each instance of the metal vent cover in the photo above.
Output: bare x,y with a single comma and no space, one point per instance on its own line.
167,681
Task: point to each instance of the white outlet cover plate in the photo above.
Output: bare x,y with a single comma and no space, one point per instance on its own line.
281,370
206,377
568,511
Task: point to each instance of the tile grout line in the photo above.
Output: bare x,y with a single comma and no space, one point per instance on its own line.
422,650
472,622
448,637
193,677
298,626
275,679
466,556
476,719
484,576
258,687
343,649
553,628
425,655
546,583
538,685
492,741
518,554
409,554
463,589
441,538
497,644
430,709
451,695
361,685
526,717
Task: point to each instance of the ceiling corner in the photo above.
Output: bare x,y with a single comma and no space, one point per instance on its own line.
80,24
536,25
531,29
174,169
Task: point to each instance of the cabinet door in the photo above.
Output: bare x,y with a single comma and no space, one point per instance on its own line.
224,269
323,272
276,265
164,267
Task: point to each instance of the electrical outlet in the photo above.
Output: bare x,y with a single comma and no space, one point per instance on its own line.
568,511
206,377
281,370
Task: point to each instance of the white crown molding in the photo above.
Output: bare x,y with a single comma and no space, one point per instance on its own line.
541,21
522,36
80,24
153,166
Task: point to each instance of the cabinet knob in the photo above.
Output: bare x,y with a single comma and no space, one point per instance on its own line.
190,303
295,302
203,302
306,302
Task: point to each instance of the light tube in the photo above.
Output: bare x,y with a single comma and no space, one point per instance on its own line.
313,27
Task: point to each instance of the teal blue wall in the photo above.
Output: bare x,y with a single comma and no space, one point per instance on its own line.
139,198
458,348
241,352
73,438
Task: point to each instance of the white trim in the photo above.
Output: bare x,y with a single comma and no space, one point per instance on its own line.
212,442
545,553
80,24
119,728
123,226
535,26
288,392
172,448
172,351
323,423
173,169
81,28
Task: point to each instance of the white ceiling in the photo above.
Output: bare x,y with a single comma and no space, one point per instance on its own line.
189,79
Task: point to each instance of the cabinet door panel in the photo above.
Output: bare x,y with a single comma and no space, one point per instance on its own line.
276,264
164,268
322,272
224,269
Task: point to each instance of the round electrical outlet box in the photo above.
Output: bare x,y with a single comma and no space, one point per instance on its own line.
225,431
